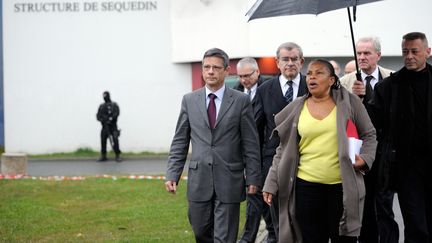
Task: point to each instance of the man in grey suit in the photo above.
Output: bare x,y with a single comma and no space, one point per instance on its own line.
218,122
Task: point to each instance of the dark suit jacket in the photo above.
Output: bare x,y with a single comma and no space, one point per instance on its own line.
238,86
219,156
269,101
395,129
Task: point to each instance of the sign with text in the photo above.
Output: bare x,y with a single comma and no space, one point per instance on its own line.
90,6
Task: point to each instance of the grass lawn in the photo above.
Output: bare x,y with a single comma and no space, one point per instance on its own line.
93,210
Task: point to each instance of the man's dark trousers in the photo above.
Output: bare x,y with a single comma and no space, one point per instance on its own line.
108,130
255,208
415,200
378,224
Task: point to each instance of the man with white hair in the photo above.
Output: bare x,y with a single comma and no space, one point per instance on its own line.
249,76
378,218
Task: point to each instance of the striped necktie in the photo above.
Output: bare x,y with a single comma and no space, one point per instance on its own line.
289,94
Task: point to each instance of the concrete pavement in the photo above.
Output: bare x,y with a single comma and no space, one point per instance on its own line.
89,167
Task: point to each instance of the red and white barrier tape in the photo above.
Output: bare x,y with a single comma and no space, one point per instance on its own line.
79,178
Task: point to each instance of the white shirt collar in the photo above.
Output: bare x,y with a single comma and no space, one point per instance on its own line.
283,80
219,93
374,74
253,89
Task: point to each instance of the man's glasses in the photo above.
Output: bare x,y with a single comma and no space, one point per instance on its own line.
246,75
215,68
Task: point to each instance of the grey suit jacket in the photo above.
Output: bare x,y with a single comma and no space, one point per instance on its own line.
220,158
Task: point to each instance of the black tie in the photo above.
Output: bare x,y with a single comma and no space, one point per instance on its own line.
369,90
290,92
211,111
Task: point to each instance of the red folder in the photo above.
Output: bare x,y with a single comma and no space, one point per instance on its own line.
351,130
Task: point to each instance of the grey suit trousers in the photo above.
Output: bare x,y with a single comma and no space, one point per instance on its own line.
224,217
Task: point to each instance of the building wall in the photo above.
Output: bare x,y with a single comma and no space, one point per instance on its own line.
202,24
57,64
1,81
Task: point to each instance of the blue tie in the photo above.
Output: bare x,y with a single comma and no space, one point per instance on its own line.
290,92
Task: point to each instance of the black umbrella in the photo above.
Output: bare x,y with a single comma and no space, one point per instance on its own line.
275,8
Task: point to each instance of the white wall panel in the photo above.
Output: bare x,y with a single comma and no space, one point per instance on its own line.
57,65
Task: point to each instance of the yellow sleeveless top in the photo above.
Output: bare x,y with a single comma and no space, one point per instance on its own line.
319,160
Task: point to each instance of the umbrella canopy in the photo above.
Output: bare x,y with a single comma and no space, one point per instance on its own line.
275,8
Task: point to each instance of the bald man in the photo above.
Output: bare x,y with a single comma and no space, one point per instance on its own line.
350,67
336,67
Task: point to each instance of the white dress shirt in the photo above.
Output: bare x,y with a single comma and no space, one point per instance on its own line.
374,80
284,86
253,91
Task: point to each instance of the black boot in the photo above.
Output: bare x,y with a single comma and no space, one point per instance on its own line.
117,158
102,158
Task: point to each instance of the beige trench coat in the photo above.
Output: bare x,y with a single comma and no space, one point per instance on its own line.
283,172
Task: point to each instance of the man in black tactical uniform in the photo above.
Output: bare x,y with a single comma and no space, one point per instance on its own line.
107,114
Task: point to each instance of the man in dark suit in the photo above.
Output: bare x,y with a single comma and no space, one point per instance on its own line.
378,223
401,110
218,122
249,75
271,97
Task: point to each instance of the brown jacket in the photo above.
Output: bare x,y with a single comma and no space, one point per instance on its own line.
283,173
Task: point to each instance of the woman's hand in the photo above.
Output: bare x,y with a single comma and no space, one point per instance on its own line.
268,197
360,164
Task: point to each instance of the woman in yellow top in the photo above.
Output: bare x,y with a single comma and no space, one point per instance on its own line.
321,191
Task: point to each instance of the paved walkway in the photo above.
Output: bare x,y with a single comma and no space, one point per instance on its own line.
89,166
135,166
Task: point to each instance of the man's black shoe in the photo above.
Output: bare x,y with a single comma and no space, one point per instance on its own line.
118,159
102,159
